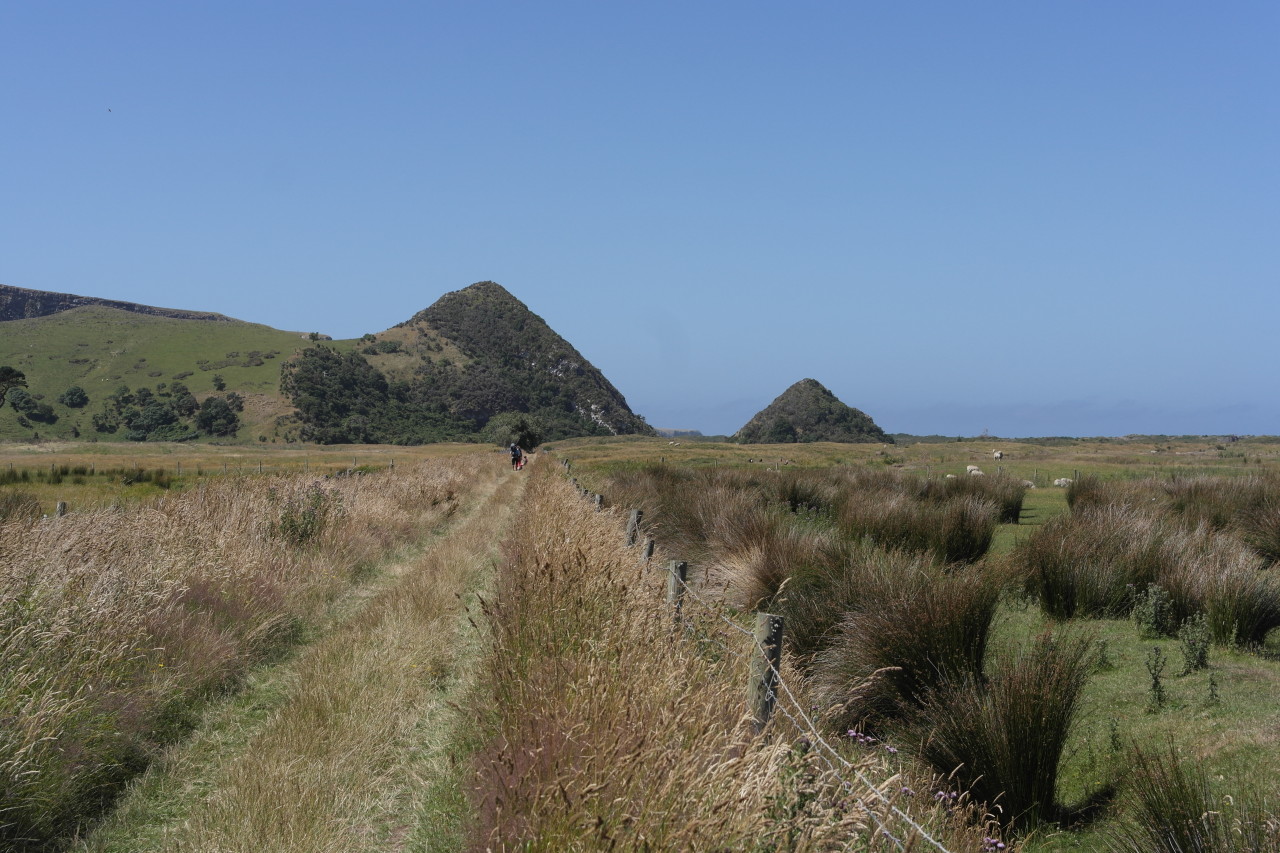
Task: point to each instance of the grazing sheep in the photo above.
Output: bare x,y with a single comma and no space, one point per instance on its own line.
951,476
1027,484
976,474
973,469
1063,481
997,454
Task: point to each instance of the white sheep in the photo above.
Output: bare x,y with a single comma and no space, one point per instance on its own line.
997,454
972,469
1027,484
1063,481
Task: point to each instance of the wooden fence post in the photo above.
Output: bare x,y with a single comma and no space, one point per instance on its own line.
598,500
765,661
62,509
678,573
633,526
648,548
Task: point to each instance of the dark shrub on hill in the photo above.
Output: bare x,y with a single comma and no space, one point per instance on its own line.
74,398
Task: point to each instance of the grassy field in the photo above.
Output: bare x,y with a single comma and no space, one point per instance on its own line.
1221,719
89,475
575,641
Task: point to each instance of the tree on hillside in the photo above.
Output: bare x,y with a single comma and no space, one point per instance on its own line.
74,397
516,427
10,378
216,417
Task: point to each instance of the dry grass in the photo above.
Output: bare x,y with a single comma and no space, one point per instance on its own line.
608,731
118,624
345,761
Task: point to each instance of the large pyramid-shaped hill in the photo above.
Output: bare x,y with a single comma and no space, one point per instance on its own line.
808,412
476,353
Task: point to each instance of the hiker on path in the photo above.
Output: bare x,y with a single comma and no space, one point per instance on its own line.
517,455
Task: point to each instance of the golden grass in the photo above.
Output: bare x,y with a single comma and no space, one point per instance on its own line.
118,624
343,761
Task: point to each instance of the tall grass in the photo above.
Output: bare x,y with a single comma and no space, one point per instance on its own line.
117,625
1090,563
1174,807
1004,740
915,629
606,731
1098,561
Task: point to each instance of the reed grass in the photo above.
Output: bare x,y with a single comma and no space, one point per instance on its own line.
1003,740
915,629
1174,807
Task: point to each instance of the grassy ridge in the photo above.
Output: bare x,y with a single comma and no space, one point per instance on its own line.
100,348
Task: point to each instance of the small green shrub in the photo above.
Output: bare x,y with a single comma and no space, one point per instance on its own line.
1156,695
1193,639
1153,611
303,517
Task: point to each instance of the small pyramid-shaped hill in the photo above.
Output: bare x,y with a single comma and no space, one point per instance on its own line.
809,412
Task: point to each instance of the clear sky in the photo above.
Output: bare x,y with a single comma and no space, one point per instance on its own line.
1027,218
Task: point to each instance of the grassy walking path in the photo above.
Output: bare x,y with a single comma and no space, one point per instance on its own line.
347,745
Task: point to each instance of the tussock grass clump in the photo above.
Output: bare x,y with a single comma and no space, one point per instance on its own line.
915,629
1003,740
958,529
1104,561
118,624
1006,492
1173,807
1091,562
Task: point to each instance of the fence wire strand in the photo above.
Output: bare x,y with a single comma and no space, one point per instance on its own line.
810,730
804,724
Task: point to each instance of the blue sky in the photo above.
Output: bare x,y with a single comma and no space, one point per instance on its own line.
1027,218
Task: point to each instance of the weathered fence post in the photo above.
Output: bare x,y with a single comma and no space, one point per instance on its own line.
598,500
633,526
678,572
62,509
648,548
764,668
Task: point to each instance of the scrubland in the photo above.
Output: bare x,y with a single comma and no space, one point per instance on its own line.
1119,648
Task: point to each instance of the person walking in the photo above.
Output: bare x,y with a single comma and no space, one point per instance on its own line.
517,457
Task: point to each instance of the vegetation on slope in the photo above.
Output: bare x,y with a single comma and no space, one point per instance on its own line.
98,350
808,412
475,354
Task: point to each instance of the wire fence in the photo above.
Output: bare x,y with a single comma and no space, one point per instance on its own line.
714,628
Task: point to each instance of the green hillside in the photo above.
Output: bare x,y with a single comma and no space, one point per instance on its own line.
808,412
101,348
